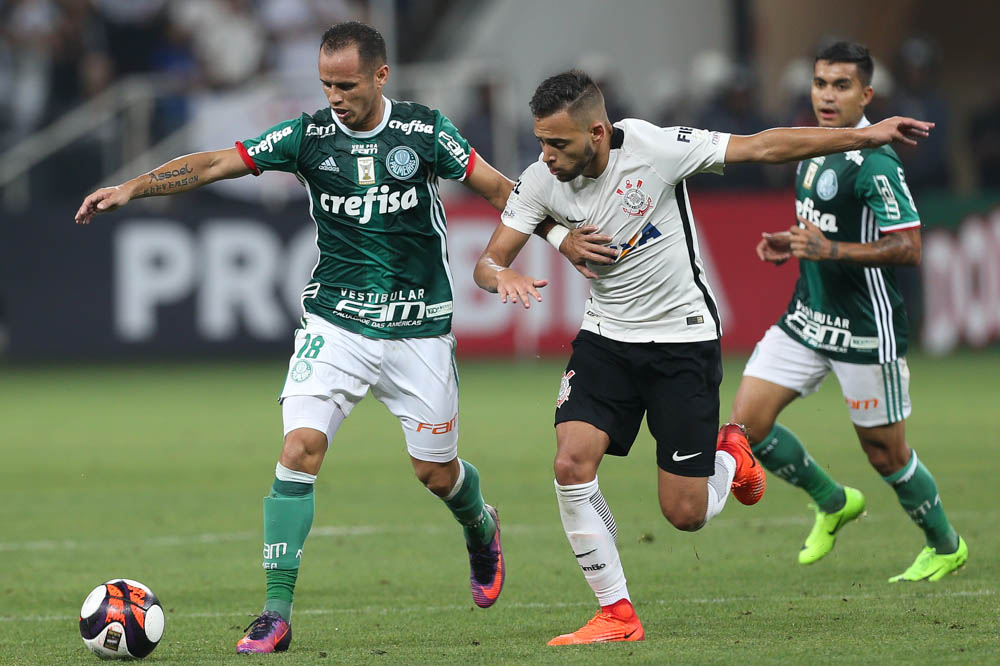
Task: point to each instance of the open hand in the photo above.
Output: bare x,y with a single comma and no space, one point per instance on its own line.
513,286
898,130
103,200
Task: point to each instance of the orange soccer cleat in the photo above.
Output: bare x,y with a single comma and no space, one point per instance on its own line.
749,481
617,622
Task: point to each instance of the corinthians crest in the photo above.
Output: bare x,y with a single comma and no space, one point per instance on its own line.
634,200
564,388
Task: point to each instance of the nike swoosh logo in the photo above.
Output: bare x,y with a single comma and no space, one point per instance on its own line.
493,590
840,521
630,633
678,458
585,554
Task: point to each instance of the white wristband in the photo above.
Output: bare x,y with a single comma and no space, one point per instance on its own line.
556,235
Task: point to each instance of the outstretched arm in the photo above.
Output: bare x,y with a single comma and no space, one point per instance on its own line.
899,248
789,144
578,245
493,272
178,175
489,183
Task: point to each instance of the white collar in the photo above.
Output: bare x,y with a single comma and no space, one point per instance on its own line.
370,133
864,122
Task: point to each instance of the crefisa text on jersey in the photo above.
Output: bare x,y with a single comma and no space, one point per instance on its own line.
355,206
414,125
266,145
807,209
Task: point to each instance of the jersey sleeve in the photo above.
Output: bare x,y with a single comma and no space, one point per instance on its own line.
882,186
684,151
454,158
277,149
526,204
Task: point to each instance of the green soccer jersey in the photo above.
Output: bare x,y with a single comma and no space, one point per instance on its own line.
383,256
846,311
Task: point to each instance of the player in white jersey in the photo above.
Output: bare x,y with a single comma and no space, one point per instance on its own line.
649,343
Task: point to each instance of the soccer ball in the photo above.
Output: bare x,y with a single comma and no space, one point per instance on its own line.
121,619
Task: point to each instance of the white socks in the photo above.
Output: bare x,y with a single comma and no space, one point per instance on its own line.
592,534
719,484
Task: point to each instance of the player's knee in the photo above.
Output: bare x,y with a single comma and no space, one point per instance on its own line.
570,470
437,484
685,515
886,458
883,462
303,449
435,478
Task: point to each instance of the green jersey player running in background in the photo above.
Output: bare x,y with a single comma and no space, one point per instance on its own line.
378,307
856,221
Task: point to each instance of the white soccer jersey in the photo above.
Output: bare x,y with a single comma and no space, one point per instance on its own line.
656,291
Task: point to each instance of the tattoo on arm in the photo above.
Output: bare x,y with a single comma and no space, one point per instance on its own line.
894,249
163,182
834,249
813,247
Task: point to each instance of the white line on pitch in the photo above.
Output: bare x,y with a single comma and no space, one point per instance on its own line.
381,610
444,527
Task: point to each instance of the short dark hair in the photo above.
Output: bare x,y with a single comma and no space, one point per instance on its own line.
368,40
570,90
850,52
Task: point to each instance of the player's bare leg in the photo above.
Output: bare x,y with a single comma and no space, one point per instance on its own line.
456,482
592,533
757,404
945,551
684,499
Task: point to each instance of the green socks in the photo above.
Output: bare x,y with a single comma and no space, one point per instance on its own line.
782,454
918,494
288,516
466,503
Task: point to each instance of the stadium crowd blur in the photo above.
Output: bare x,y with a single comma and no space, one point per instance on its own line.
56,54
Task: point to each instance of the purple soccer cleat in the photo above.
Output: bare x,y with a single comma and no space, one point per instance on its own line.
486,568
268,633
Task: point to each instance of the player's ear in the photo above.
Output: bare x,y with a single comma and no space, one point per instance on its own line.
381,75
598,132
866,95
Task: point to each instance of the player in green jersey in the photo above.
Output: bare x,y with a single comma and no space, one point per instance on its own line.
378,307
856,221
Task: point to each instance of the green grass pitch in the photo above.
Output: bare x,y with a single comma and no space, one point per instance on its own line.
156,472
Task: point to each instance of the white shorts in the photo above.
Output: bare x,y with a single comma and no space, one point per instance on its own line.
875,394
415,378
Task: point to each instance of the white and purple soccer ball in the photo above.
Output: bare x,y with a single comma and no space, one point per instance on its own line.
121,619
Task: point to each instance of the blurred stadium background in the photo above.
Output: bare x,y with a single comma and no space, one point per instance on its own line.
140,356
94,91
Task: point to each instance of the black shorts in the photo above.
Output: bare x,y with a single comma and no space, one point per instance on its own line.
611,384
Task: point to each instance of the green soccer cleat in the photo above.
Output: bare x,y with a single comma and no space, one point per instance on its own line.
824,532
933,567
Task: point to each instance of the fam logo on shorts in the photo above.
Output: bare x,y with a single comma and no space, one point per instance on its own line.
564,388
826,186
634,200
402,162
301,371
